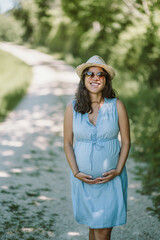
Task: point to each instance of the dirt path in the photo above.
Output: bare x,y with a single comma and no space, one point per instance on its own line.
35,186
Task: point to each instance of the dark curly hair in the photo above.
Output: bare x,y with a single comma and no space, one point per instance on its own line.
83,101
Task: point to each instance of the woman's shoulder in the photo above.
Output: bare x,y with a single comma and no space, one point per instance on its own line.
119,102
120,105
69,108
116,101
111,100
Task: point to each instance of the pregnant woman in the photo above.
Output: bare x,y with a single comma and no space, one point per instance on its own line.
97,160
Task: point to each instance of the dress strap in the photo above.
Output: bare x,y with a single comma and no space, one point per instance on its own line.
115,101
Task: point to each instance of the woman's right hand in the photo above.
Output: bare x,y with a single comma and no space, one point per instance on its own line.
86,178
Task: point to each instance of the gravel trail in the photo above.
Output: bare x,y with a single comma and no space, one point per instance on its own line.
34,175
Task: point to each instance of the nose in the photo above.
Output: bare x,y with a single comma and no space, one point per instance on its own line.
95,77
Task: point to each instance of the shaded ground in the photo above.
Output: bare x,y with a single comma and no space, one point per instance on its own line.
35,187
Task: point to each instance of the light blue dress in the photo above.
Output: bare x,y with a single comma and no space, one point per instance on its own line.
96,150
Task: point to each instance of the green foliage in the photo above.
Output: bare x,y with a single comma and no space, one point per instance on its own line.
105,12
23,15
146,122
140,50
44,21
70,45
10,29
144,109
98,24
126,34
13,83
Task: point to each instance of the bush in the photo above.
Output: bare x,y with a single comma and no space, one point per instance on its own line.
10,29
144,111
13,83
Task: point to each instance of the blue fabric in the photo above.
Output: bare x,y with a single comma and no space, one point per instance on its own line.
96,150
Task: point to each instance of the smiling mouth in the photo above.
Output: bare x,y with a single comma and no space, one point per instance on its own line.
95,84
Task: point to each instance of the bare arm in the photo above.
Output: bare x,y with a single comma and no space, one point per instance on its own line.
125,143
125,135
68,146
68,139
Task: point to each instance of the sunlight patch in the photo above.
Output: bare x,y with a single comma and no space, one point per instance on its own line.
98,213
44,198
4,174
134,185
12,143
50,234
27,229
16,170
4,187
43,123
131,198
73,233
8,153
58,144
28,156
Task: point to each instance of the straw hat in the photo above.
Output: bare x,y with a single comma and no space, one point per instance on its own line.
95,61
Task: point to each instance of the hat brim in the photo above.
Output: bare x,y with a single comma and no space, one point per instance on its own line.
82,67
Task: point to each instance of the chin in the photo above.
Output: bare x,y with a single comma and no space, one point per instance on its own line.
96,91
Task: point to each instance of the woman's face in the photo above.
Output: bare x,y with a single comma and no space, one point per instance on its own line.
94,83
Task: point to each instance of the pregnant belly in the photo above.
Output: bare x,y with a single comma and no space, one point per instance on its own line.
95,162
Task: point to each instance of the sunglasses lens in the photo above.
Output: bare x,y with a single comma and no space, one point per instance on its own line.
101,74
89,74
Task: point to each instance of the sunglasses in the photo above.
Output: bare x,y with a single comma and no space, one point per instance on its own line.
92,74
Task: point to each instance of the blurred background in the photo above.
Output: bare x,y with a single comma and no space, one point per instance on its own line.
126,34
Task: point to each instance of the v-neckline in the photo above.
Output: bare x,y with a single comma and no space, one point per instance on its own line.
105,100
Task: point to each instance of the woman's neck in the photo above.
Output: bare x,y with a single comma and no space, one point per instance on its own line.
96,98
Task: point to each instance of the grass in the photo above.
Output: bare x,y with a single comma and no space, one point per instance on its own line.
15,77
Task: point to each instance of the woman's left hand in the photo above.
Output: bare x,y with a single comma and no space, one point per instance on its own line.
108,176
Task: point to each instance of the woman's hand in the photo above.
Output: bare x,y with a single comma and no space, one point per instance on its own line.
108,176
86,178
